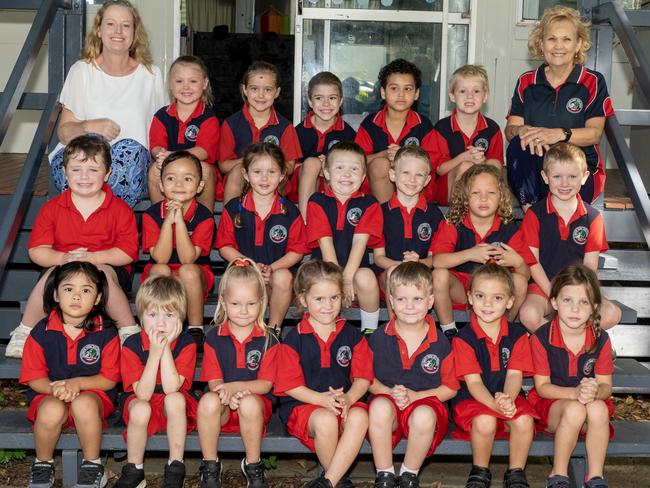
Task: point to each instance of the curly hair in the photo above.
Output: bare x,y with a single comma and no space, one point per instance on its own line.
560,13
139,49
459,201
402,67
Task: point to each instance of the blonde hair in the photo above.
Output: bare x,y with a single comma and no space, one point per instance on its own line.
241,269
165,292
414,152
469,71
494,272
459,201
560,13
567,153
206,96
139,49
411,273
314,271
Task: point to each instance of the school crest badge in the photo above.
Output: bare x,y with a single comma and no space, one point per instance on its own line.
278,234
412,141
344,356
574,105
430,364
253,359
424,232
90,354
272,139
482,143
505,356
580,235
191,132
354,216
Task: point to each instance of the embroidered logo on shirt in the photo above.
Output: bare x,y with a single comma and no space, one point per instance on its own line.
424,231
90,354
253,359
574,105
580,235
505,356
344,356
588,368
272,139
430,364
278,234
192,132
482,143
335,141
354,216
412,141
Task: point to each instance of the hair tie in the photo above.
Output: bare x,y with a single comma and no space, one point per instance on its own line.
241,262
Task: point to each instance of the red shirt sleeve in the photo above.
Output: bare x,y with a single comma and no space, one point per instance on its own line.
530,229
448,373
318,225
363,139
297,240
465,361
33,366
495,149
290,144
440,150
226,232
157,134
185,364
362,361
521,357
111,360
604,364
43,230
227,143
269,366
540,358
371,223
596,240
210,367
208,138
290,373
131,368
126,230
150,232
203,236
444,240
518,244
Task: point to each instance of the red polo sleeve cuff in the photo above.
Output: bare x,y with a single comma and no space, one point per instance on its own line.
111,360
444,240
157,134
226,232
518,244
33,365
290,373
290,144
363,139
440,153
448,373
495,149
540,358
131,368
227,143
185,364
465,361
203,236
150,232
210,368
208,138
298,237
317,224
269,367
604,364
530,229
362,361
596,241
521,357
43,230
371,223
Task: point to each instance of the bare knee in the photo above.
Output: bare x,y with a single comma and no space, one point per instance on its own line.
357,418
422,419
190,274
597,413
364,280
85,407
160,270
51,413
574,414
209,175
484,425
311,166
139,412
523,423
611,315
381,412
174,403
324,423
379,168
441,278
531,317
250,407
210,404
281,280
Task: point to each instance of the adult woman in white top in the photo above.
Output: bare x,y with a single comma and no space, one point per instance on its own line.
113,90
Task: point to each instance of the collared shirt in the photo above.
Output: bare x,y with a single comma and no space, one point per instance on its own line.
313,142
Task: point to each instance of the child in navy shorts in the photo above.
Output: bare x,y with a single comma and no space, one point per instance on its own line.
572,358
414,376
491,357
157,367
239,365
78,392
324,371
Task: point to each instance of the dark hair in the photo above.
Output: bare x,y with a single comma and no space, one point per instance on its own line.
98,314
198,62
315,271
175,156
90,145
256,67
324,78
402,67
347,146
251,153
496,272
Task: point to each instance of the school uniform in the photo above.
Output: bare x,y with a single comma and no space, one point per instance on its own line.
227,359
581,97
328,217
475,353
451,141
551,357
309,361
430,366
373,136
200,227
262,240
562,244
50,353
60,225
135,353
455,238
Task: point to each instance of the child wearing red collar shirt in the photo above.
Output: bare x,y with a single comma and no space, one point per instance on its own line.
188,123
178,233
466,137
257,121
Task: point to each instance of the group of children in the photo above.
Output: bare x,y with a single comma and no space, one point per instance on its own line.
477,257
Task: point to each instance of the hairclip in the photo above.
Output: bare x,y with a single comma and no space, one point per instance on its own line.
241,262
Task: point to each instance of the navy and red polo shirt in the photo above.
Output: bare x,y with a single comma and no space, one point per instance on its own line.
135,353
583,96
309,361
60,225
201,129
563,244
551,356
408,231
328,217
455,238
430,366
476,353
50,353
239,131
450,141
313,142
200,227
227,359
264,240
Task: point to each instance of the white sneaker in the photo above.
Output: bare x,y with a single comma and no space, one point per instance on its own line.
17,341
127,331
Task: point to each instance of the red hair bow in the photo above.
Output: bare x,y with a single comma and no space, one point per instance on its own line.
241,262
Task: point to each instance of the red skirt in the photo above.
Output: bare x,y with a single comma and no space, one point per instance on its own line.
465,411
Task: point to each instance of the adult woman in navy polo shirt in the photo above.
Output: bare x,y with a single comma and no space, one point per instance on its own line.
560,101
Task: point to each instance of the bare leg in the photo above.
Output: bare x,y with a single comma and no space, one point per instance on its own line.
521,287
34,308
382,187
136,430
484,428
51,415
446,288
211,415
533,311
86,410
308,184
206,197
565,418
175,412
522,431
349,444
281,284
234,184
422,425
191,275
118,307
324,428
366,289
597,437
610,314
251,425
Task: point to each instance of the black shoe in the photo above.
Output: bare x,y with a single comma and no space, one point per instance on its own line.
479,477
515,478
174,476
320,482
91,475
408,480
596,482
42,475
131,477
254,474
198,336
558,481
210,474
384,479
345,483
451,333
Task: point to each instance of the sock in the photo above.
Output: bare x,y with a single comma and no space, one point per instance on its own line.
170,461
94,461
405,469
36,460
369,320
248,462
390,470
195,326
449,326
139,466
21,324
